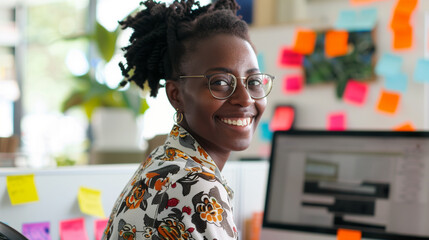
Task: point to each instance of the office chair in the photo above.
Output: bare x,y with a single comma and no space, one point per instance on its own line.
9,233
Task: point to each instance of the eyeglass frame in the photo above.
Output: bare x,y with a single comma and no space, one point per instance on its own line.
235,85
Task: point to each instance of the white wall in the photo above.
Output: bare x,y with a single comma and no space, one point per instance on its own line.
58,189
316,101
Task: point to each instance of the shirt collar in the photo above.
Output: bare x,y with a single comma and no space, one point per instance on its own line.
181,139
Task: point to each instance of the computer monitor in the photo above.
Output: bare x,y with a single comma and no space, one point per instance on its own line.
372,181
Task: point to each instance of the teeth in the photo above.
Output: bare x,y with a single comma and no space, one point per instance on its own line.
242,122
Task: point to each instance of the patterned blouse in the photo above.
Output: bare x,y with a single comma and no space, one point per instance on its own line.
177,193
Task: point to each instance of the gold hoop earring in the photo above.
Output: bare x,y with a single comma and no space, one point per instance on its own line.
178,117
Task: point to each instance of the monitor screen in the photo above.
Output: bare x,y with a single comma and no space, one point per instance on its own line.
374,182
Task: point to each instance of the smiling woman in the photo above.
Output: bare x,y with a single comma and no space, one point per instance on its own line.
212,79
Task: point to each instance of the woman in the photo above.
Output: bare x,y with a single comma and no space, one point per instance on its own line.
213,81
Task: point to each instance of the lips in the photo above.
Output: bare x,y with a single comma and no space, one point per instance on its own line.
241,122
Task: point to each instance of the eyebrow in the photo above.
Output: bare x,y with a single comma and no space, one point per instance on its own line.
222,69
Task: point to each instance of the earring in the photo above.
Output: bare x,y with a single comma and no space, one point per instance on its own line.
178,116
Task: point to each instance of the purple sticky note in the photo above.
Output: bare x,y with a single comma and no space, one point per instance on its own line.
36,231
355,92
73,229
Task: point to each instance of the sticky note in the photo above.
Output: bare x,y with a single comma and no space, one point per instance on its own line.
400,21
355,2
346,20
336,43
90,202
405,6
397,82
352,20
388,102
407,126
389,64
293,84
305,41
403,38
36,231
336,121
265,132
347,234
261,62
421,71
367,18
73,229
355,92
283,118
21,189
100,225
290,58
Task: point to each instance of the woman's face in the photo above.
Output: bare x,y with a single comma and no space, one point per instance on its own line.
211,121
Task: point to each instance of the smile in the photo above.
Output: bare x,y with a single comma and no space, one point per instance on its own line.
242,122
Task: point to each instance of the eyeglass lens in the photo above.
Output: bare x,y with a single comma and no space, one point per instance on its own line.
222,85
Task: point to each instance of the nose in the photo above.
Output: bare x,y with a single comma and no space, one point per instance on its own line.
241,96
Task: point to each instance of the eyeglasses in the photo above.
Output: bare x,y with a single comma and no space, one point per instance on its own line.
223,85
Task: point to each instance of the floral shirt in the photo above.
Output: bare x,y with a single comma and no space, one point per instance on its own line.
177,193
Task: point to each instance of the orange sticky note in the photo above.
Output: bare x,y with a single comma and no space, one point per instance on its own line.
293,84
283,118
400,20
336,121
73,229
354,2
347,234
355,92
406,6
402,38
336,43
388,102
407,126
305,41
290,58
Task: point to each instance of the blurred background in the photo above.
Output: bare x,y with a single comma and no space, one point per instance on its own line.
59,102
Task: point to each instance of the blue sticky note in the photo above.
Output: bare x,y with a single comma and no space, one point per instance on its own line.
389,64
346,20
421,72
396,82
366,20
265,132
261,62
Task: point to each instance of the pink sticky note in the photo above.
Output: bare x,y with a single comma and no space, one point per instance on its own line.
283,118
36,231
100,225
355,92
73,229
336,121
293,84
289,58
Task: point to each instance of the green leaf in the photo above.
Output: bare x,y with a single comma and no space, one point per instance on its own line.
106,41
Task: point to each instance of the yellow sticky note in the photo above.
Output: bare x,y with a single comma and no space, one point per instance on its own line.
90,202
21,189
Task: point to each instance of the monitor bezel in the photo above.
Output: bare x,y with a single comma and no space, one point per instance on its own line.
333,230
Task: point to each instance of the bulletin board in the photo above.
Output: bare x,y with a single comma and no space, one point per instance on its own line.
393,98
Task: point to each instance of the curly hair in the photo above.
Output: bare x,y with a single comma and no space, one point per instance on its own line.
161,33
